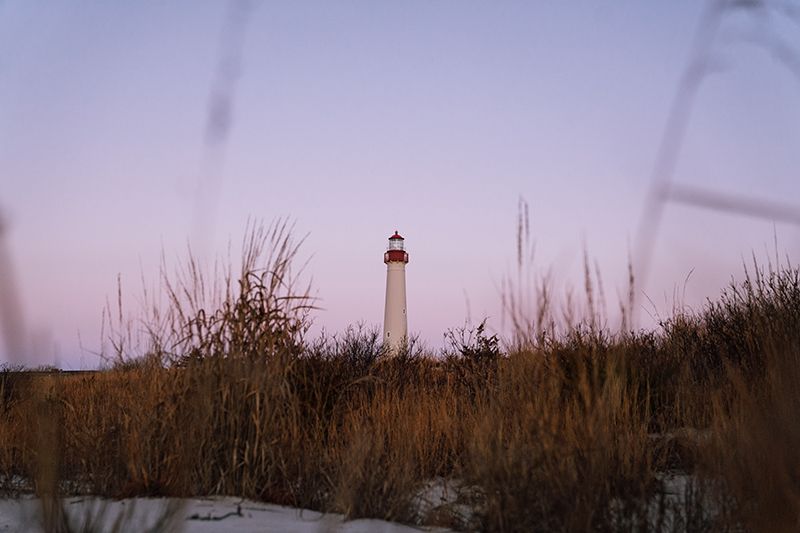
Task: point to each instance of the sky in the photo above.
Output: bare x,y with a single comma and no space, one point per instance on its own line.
120,122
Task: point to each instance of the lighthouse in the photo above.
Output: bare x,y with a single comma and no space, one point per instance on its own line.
395,319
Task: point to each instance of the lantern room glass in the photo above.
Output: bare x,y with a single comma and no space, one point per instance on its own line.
395,244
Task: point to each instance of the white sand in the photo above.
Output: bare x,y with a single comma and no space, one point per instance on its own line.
219,514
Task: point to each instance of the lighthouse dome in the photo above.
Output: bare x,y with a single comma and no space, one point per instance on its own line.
396,253
396,242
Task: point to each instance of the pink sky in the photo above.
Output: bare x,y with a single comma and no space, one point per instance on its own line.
359,118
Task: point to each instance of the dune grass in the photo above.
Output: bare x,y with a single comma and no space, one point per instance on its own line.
571,432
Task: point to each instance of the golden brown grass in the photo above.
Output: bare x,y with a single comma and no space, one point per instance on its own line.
567,433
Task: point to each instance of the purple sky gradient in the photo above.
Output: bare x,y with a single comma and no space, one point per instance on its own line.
357,118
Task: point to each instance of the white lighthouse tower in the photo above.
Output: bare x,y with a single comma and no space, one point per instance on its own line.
395,319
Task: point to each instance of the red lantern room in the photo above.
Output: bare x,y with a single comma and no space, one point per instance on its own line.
396,251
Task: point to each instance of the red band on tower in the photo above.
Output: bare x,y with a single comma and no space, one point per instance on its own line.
392,256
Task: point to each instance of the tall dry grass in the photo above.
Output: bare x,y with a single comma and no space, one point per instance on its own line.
570,432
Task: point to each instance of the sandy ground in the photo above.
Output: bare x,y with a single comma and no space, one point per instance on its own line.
221,514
